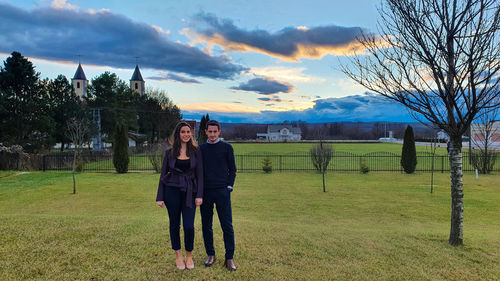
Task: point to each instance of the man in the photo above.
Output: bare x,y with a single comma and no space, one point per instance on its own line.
219,174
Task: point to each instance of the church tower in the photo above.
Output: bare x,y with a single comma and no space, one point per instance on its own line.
80,82
137,84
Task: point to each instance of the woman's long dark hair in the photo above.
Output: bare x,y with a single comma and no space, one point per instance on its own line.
175,141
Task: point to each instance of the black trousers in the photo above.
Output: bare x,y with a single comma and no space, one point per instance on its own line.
175,200
221,197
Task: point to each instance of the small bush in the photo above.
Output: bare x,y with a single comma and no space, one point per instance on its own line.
266,165
484,161
14,158
363,168
156,153
79,166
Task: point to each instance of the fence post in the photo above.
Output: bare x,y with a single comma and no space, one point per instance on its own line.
43,163
442,164
241,162
280,163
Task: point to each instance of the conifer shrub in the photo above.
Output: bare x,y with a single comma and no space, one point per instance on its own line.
267,165
120,149
409,152
363,167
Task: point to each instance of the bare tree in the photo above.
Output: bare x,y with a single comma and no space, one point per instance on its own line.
440,59
78,131
321,154
433,146
485,131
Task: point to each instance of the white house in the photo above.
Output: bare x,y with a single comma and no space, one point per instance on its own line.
283,132
441,135
390,138
479,134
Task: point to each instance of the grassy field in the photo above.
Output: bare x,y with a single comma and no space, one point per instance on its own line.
379,226
355,148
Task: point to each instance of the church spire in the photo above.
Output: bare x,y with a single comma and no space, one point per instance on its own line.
80,82
137,84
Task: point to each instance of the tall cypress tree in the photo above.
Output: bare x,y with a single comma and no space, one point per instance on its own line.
202,137
409,153
200,129
120,149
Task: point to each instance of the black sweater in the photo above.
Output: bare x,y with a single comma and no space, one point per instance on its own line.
218,165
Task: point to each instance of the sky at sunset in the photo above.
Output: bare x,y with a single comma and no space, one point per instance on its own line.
240,61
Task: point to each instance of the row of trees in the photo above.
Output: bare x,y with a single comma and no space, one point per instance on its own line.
358,131
332,130
34,112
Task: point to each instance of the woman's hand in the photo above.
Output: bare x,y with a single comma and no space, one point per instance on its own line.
160,203
198,201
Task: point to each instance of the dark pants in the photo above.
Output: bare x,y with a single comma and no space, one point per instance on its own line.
175,200
221,197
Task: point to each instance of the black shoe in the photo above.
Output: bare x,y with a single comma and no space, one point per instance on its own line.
210,261
230,265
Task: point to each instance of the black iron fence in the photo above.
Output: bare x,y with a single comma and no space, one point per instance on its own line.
340,162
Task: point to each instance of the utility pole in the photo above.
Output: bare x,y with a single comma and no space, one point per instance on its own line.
96,117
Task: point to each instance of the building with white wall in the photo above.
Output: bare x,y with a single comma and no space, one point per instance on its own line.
80,82
482,135
283,132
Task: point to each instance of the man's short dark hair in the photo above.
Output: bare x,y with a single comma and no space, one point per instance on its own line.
213,123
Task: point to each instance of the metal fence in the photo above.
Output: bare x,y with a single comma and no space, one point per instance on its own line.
340,162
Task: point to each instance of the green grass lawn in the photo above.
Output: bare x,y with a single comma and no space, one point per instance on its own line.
355,148
379,226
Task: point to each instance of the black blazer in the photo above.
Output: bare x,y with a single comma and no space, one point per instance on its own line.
190,181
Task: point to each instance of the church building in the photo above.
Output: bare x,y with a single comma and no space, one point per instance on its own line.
137,83
80,82
80,86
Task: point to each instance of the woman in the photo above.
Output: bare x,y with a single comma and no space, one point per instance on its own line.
181,190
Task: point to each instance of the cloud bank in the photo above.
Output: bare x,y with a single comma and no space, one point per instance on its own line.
174,77
103,38
290,43
264,86
364,108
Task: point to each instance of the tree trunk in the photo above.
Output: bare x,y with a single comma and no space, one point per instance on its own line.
324,188
485,159
457,192
432,171
74,164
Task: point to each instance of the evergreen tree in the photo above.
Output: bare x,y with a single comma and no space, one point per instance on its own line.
201,130
202,137
24,106
120,148
409,153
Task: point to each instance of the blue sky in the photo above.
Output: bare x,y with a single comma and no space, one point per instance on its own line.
239,61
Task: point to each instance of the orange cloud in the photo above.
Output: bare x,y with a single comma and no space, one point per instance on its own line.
309,51
218,107
288,44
